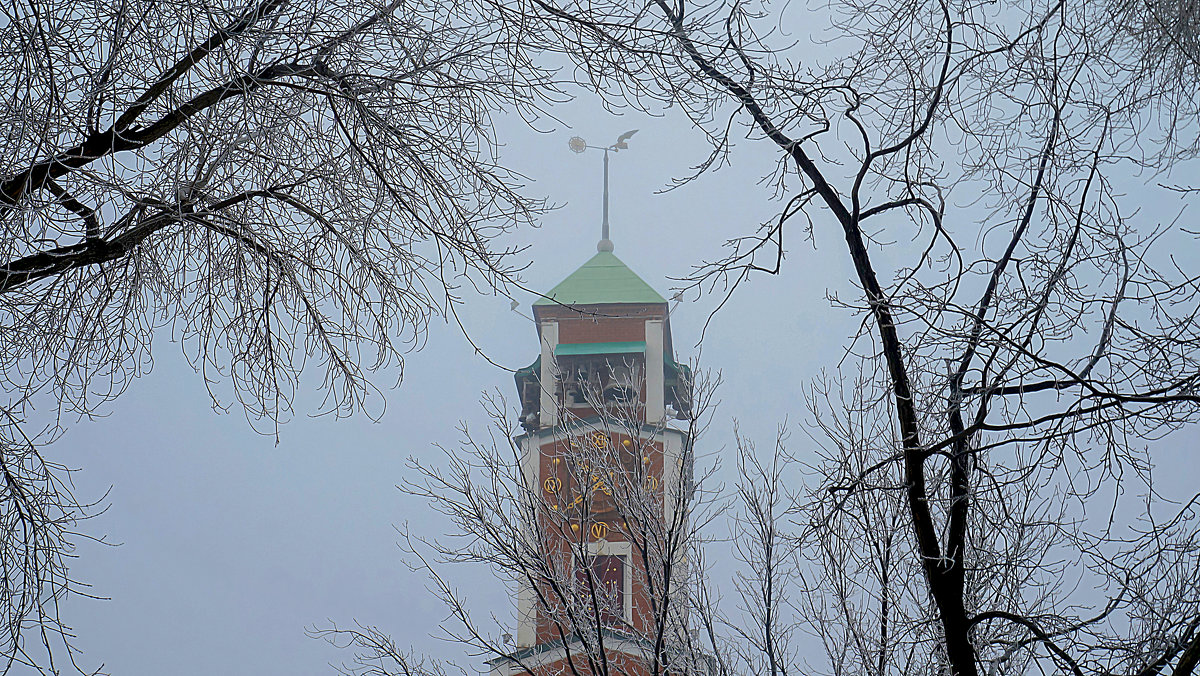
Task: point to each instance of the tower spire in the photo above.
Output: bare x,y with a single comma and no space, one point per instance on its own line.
605,244
579,145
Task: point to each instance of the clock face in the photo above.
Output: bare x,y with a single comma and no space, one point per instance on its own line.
597,441
588,470
593,486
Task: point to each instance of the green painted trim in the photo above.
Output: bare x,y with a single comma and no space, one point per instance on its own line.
533,369
627,347
675,369
571,639
531,372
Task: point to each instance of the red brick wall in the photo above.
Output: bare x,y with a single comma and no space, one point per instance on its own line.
601,313
566,525
601,329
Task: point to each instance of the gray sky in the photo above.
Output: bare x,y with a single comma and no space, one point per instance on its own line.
230,546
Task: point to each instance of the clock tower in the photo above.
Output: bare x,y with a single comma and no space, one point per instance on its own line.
605,456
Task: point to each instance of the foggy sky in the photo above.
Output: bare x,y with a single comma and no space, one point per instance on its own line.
230,545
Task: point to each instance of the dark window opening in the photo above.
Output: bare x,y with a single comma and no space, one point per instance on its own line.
593,381
607,583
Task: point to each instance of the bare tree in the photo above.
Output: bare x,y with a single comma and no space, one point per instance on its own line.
1029,345
1027,339
375,653
1026,349
277,184
1165,37
609,482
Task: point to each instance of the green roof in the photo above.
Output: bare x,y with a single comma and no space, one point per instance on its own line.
603,279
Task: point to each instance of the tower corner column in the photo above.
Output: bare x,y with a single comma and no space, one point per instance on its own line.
549,375
656,394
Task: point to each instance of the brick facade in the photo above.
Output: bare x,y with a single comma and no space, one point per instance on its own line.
606,471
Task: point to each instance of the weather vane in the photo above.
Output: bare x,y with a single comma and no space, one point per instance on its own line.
579,145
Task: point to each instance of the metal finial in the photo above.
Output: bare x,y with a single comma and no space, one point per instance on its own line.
578,145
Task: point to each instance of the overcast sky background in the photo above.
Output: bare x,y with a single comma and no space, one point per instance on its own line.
231,545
